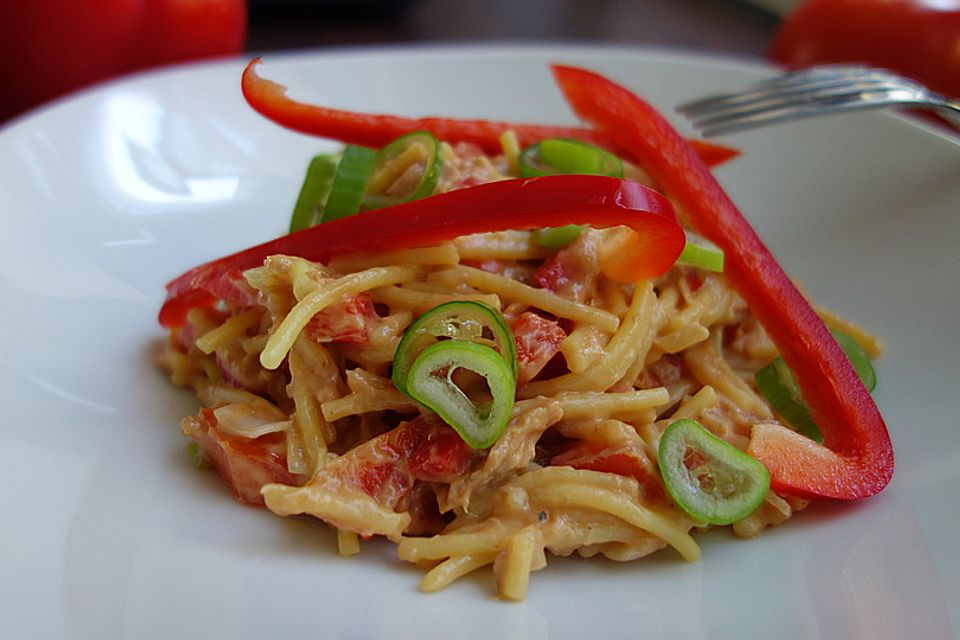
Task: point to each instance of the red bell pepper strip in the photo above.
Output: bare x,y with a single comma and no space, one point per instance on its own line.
712,153
856,459
523,203
375,130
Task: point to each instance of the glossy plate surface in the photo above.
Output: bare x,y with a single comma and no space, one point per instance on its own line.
108,531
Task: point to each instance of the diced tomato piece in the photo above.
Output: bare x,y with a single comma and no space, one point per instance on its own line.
571,271
347,321
378,466
385,482
538,341
245,465
232,287
623,459
441,456
552,275
387,466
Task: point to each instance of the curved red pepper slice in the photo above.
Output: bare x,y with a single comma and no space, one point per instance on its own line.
856,460
525,203
375,130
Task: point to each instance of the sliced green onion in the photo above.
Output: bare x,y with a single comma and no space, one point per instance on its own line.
197,456
349,183
707,477
458,320
313,193
777,384
858,358
561,155
557,237
430,382
418,152
700,254
564,156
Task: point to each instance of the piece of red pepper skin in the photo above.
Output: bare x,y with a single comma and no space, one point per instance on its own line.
522,203
713,154
270,99
856,459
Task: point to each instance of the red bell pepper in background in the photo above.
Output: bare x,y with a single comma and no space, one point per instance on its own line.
915,37
50,47
856,460
525,203
375,130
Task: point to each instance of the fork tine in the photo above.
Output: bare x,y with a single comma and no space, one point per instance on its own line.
748,120
789,79
764,101
787,87
810,92
776,93
831,73
818,74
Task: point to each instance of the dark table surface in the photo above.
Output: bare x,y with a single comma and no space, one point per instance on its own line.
723,26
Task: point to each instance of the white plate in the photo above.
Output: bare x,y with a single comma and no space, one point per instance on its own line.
108,531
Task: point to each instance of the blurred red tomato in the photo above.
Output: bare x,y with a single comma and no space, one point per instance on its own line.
50,47
920,38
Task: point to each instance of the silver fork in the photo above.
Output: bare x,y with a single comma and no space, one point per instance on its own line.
813,92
